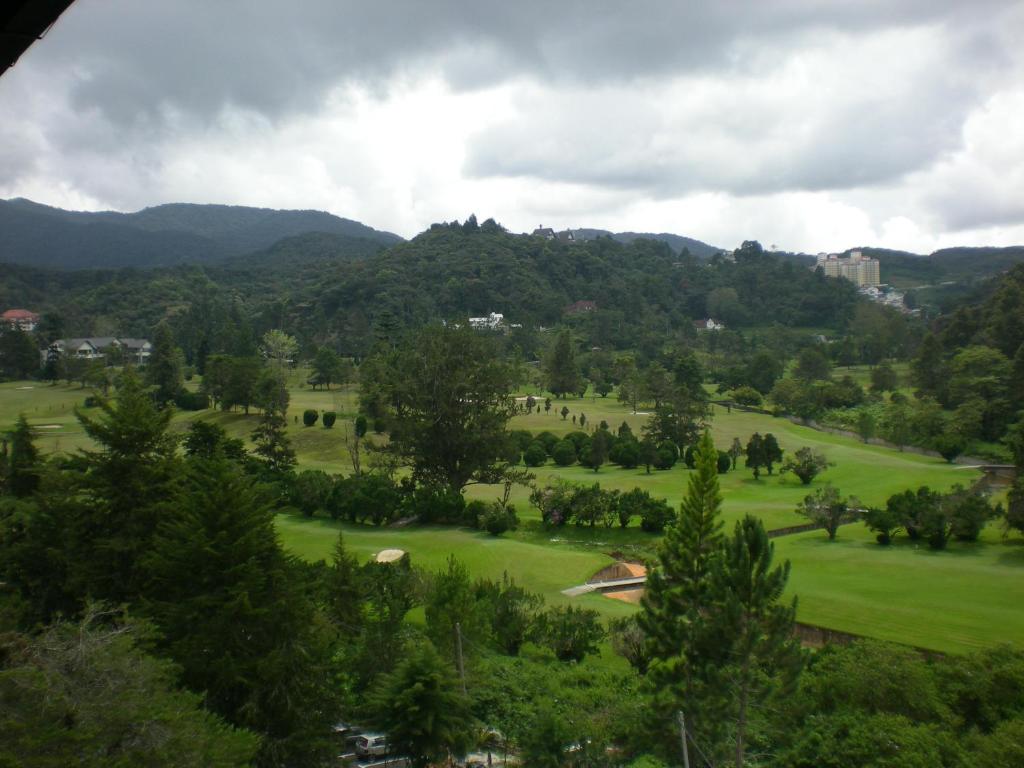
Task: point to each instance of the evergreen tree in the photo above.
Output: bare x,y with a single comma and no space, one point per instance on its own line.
19,357
86,694
1017,380
772,452
678,594
344,590
561,366
756,454
764,657
272,445
422,710
23,460
452,602
122,491
928,370
230,605
163,369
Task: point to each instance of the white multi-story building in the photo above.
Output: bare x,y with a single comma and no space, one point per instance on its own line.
492,322
857,268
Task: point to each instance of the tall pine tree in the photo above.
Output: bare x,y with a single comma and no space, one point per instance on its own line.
121,493
764,657
679,593
163,369
235,615
23,461
561,366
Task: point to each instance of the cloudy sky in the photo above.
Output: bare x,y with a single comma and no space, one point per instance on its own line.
809,124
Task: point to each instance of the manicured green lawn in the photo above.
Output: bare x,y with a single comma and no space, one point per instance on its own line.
958,600
952,601
544,568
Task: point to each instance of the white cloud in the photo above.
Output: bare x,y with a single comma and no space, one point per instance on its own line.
811,126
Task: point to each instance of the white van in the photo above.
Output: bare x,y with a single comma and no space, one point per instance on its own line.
372,744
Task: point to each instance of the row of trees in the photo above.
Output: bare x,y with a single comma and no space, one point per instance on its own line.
561,502
924,515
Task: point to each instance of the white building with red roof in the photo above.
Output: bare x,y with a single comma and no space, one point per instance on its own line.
20,318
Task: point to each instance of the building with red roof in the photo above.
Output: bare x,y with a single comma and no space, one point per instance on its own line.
20,318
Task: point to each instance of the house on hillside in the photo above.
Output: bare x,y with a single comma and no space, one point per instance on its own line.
493,322
709,325
20,318
82,349
134,351
546,232
580,307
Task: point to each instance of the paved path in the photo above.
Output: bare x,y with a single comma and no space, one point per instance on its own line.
604,586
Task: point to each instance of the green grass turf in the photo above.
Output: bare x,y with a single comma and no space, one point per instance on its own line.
543,568
958,600
951,601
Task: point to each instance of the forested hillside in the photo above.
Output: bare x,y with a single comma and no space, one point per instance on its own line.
676,242
329,288
164,235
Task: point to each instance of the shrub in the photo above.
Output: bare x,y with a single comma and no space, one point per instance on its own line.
475,511
523,438
309,417
437,505
626,453
579,439
329,418
690,457
655,514
564,453
362,497
535,455
886,523
498,519
667,456
570,632
548,440
949,446
806,464
510,451
746,396
192,401
311,491
724,462
90,402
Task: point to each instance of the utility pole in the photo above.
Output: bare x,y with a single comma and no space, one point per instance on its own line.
682,739
458,651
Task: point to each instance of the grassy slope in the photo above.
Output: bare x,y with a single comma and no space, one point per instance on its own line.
955,601
951,601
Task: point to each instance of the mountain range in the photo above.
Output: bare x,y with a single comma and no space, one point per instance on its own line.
236,237
176,233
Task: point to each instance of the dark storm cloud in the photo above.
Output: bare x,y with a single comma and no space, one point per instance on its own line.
275,57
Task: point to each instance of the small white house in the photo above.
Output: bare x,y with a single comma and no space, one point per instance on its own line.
710,325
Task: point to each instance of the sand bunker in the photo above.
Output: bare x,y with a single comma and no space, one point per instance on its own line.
626,595
389,555
48,426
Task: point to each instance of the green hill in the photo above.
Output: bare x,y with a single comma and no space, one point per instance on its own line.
164,235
